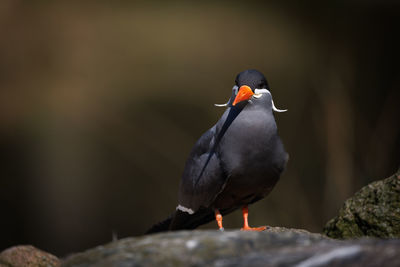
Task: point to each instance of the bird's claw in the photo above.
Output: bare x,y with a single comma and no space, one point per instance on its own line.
257,229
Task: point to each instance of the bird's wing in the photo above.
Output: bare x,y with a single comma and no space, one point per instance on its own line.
203,177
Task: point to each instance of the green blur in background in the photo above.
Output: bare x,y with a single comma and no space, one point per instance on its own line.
100,104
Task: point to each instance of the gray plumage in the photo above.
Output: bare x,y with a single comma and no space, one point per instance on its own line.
237,162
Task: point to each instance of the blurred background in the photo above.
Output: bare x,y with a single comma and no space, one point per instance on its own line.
101,103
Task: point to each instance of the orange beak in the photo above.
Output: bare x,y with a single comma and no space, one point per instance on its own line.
244,93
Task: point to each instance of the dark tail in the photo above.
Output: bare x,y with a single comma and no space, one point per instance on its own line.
161,226
183,221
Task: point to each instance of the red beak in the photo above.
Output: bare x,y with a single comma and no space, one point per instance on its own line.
244,93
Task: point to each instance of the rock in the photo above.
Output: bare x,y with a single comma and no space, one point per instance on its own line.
27,256
372,211
274,247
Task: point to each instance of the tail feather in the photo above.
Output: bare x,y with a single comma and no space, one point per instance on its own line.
161,226
185,221
182,221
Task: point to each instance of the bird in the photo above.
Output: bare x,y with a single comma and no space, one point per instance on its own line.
237,162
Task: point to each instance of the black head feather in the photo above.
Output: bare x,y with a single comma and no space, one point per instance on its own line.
252,78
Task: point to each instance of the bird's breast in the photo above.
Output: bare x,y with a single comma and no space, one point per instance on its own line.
250,143
253,157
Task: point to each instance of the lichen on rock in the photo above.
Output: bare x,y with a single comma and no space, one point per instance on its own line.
27,256
373,211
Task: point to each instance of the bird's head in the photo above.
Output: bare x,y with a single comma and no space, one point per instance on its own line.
248,84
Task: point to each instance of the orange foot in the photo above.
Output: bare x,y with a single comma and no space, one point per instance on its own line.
246,226
257,229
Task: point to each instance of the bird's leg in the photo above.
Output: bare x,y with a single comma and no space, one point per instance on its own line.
246,226
218,218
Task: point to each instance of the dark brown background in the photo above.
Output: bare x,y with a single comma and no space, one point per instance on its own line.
101,103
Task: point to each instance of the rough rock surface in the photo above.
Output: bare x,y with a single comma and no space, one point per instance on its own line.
274,247
27,256
372,211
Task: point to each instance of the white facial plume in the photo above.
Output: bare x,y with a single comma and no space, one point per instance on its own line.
221,105
257,94
235,90
277,109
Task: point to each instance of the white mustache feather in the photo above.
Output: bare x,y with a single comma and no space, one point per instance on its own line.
277,109
222,105
257,92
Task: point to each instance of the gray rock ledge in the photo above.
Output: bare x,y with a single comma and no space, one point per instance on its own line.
275,247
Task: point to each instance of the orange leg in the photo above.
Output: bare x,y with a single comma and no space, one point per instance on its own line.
246,226
218,217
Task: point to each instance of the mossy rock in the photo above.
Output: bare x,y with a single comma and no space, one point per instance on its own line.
373,211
